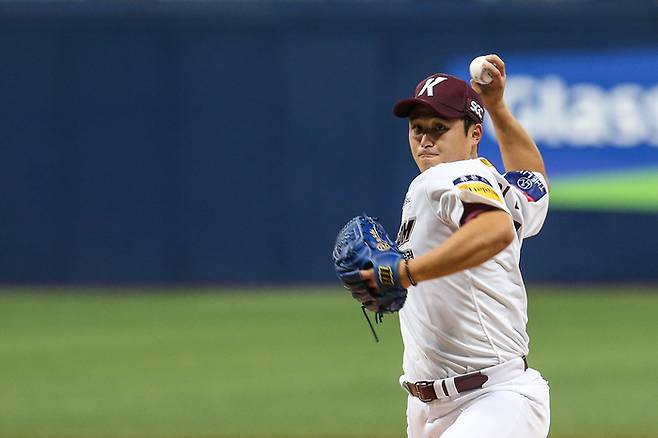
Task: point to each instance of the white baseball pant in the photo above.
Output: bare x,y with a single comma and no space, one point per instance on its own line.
513,403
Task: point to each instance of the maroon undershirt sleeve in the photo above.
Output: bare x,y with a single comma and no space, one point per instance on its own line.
471,211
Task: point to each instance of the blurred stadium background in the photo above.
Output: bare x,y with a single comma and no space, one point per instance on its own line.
174,174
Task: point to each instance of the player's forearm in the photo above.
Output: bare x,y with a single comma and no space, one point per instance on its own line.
518,150
473,244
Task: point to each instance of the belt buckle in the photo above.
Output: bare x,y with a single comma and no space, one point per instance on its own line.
424,384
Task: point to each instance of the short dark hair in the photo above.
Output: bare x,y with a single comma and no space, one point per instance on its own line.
468,122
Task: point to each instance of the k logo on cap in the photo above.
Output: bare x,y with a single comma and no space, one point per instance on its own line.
429,86
447,95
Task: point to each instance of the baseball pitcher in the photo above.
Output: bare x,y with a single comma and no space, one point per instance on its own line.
453,272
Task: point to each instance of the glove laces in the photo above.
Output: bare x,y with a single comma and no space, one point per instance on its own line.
379,316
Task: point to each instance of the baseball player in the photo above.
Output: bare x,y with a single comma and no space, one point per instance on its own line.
464,321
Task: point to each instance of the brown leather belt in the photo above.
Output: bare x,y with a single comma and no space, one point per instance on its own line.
424,390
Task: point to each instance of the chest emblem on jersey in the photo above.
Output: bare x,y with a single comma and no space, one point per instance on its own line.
405,231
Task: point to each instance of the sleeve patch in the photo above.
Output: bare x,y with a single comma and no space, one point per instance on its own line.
477,184
471,178
480,189
529,184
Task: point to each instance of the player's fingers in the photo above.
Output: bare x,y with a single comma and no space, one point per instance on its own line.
476,86
367,274
497,61
491,68
369,277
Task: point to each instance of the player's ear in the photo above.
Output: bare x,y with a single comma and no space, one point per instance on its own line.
476,135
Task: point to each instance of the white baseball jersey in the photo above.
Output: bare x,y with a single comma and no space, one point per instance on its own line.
475,318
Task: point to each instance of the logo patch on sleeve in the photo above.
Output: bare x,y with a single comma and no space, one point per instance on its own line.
477,184
528,182
480,189
471,178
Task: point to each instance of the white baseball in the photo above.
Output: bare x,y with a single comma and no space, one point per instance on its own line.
478,73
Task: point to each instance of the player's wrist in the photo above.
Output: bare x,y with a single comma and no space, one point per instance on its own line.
407,278
498,110
402,273
411,278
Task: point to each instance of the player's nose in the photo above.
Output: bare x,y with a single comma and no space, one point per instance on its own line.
426,141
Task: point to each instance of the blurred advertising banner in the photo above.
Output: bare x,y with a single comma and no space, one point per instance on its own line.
594,115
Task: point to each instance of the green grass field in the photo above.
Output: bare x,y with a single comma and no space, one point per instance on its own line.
298,364
631,190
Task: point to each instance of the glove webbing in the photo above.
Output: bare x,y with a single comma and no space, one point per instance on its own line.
378,319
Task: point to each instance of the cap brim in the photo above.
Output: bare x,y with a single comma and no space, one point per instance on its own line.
404,108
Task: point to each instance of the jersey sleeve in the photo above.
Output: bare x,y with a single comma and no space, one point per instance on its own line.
527,195
461,187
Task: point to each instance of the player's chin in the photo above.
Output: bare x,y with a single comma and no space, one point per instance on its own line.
425,161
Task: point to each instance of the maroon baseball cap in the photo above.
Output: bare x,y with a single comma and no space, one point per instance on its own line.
448,96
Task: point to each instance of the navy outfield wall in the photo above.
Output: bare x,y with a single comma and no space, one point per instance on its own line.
228,142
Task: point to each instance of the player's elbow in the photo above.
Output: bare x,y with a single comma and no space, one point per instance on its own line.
507,236
492,232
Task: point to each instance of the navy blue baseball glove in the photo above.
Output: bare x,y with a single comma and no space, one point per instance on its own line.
363,244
